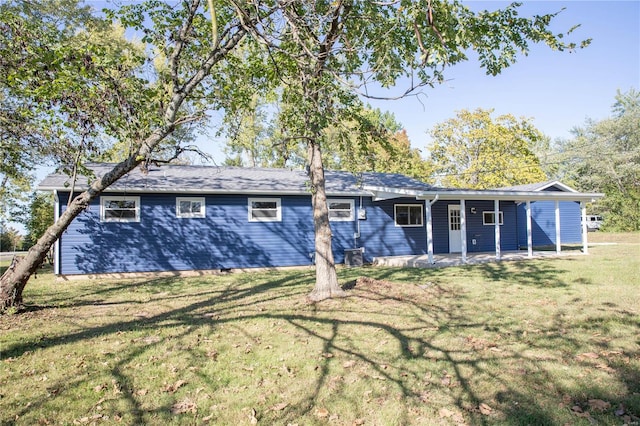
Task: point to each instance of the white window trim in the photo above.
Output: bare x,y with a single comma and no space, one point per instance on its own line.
352,208
200,200
395,215
278,217
484,218
104,199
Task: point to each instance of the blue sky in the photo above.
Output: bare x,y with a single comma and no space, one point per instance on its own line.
556,90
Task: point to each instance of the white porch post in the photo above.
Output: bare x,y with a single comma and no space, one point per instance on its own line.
427,205
529,234
496,215
558,242
585,245
463,230
56,245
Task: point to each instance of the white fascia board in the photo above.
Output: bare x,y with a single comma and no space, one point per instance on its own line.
558,184
511,195
384,193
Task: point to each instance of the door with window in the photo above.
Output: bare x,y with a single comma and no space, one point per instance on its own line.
455,231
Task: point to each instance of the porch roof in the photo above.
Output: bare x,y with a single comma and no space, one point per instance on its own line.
381,193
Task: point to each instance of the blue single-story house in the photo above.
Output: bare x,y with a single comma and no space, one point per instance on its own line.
181,218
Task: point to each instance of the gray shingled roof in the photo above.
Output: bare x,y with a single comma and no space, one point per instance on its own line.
211,179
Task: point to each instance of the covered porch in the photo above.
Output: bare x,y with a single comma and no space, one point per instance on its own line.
462,225
454,259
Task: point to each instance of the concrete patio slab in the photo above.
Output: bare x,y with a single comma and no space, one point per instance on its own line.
455,259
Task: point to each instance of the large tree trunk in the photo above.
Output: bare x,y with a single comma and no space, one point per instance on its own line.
14,280
326,276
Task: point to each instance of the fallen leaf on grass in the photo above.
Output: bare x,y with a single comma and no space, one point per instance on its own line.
485,409
116,387
85,420
322,413
445,413
349,364
577,410
599,405
279,407
174,387
253,415
587,355
446,380
605,367
184,406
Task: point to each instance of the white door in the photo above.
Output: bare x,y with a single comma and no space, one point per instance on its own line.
455,233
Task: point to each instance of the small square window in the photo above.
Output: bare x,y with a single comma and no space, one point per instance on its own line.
341,210
190,207
489,218
120,209
265,210
408,215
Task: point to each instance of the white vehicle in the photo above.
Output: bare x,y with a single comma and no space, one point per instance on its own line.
594,222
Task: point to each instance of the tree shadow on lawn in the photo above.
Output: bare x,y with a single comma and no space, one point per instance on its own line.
533,273
428,341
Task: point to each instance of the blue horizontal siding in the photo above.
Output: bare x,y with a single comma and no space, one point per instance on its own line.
226,239
543,223
484,235
223,239
381,237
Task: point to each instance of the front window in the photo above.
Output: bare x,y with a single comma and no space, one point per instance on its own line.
120,209
187,207
489,218
265,210
408,215
341,210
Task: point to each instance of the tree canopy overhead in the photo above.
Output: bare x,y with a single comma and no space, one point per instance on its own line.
474,150
604,156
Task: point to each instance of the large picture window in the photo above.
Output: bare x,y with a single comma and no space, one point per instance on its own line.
120,209
265,210
489,218
408,214
187,207
341,210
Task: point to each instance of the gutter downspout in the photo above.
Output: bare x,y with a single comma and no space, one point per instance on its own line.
430,228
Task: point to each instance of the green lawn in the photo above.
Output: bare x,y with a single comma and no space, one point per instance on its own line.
553,341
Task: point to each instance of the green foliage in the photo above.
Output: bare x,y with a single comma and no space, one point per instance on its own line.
39,218
374,141
69,83
604,156
474,150
10,239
